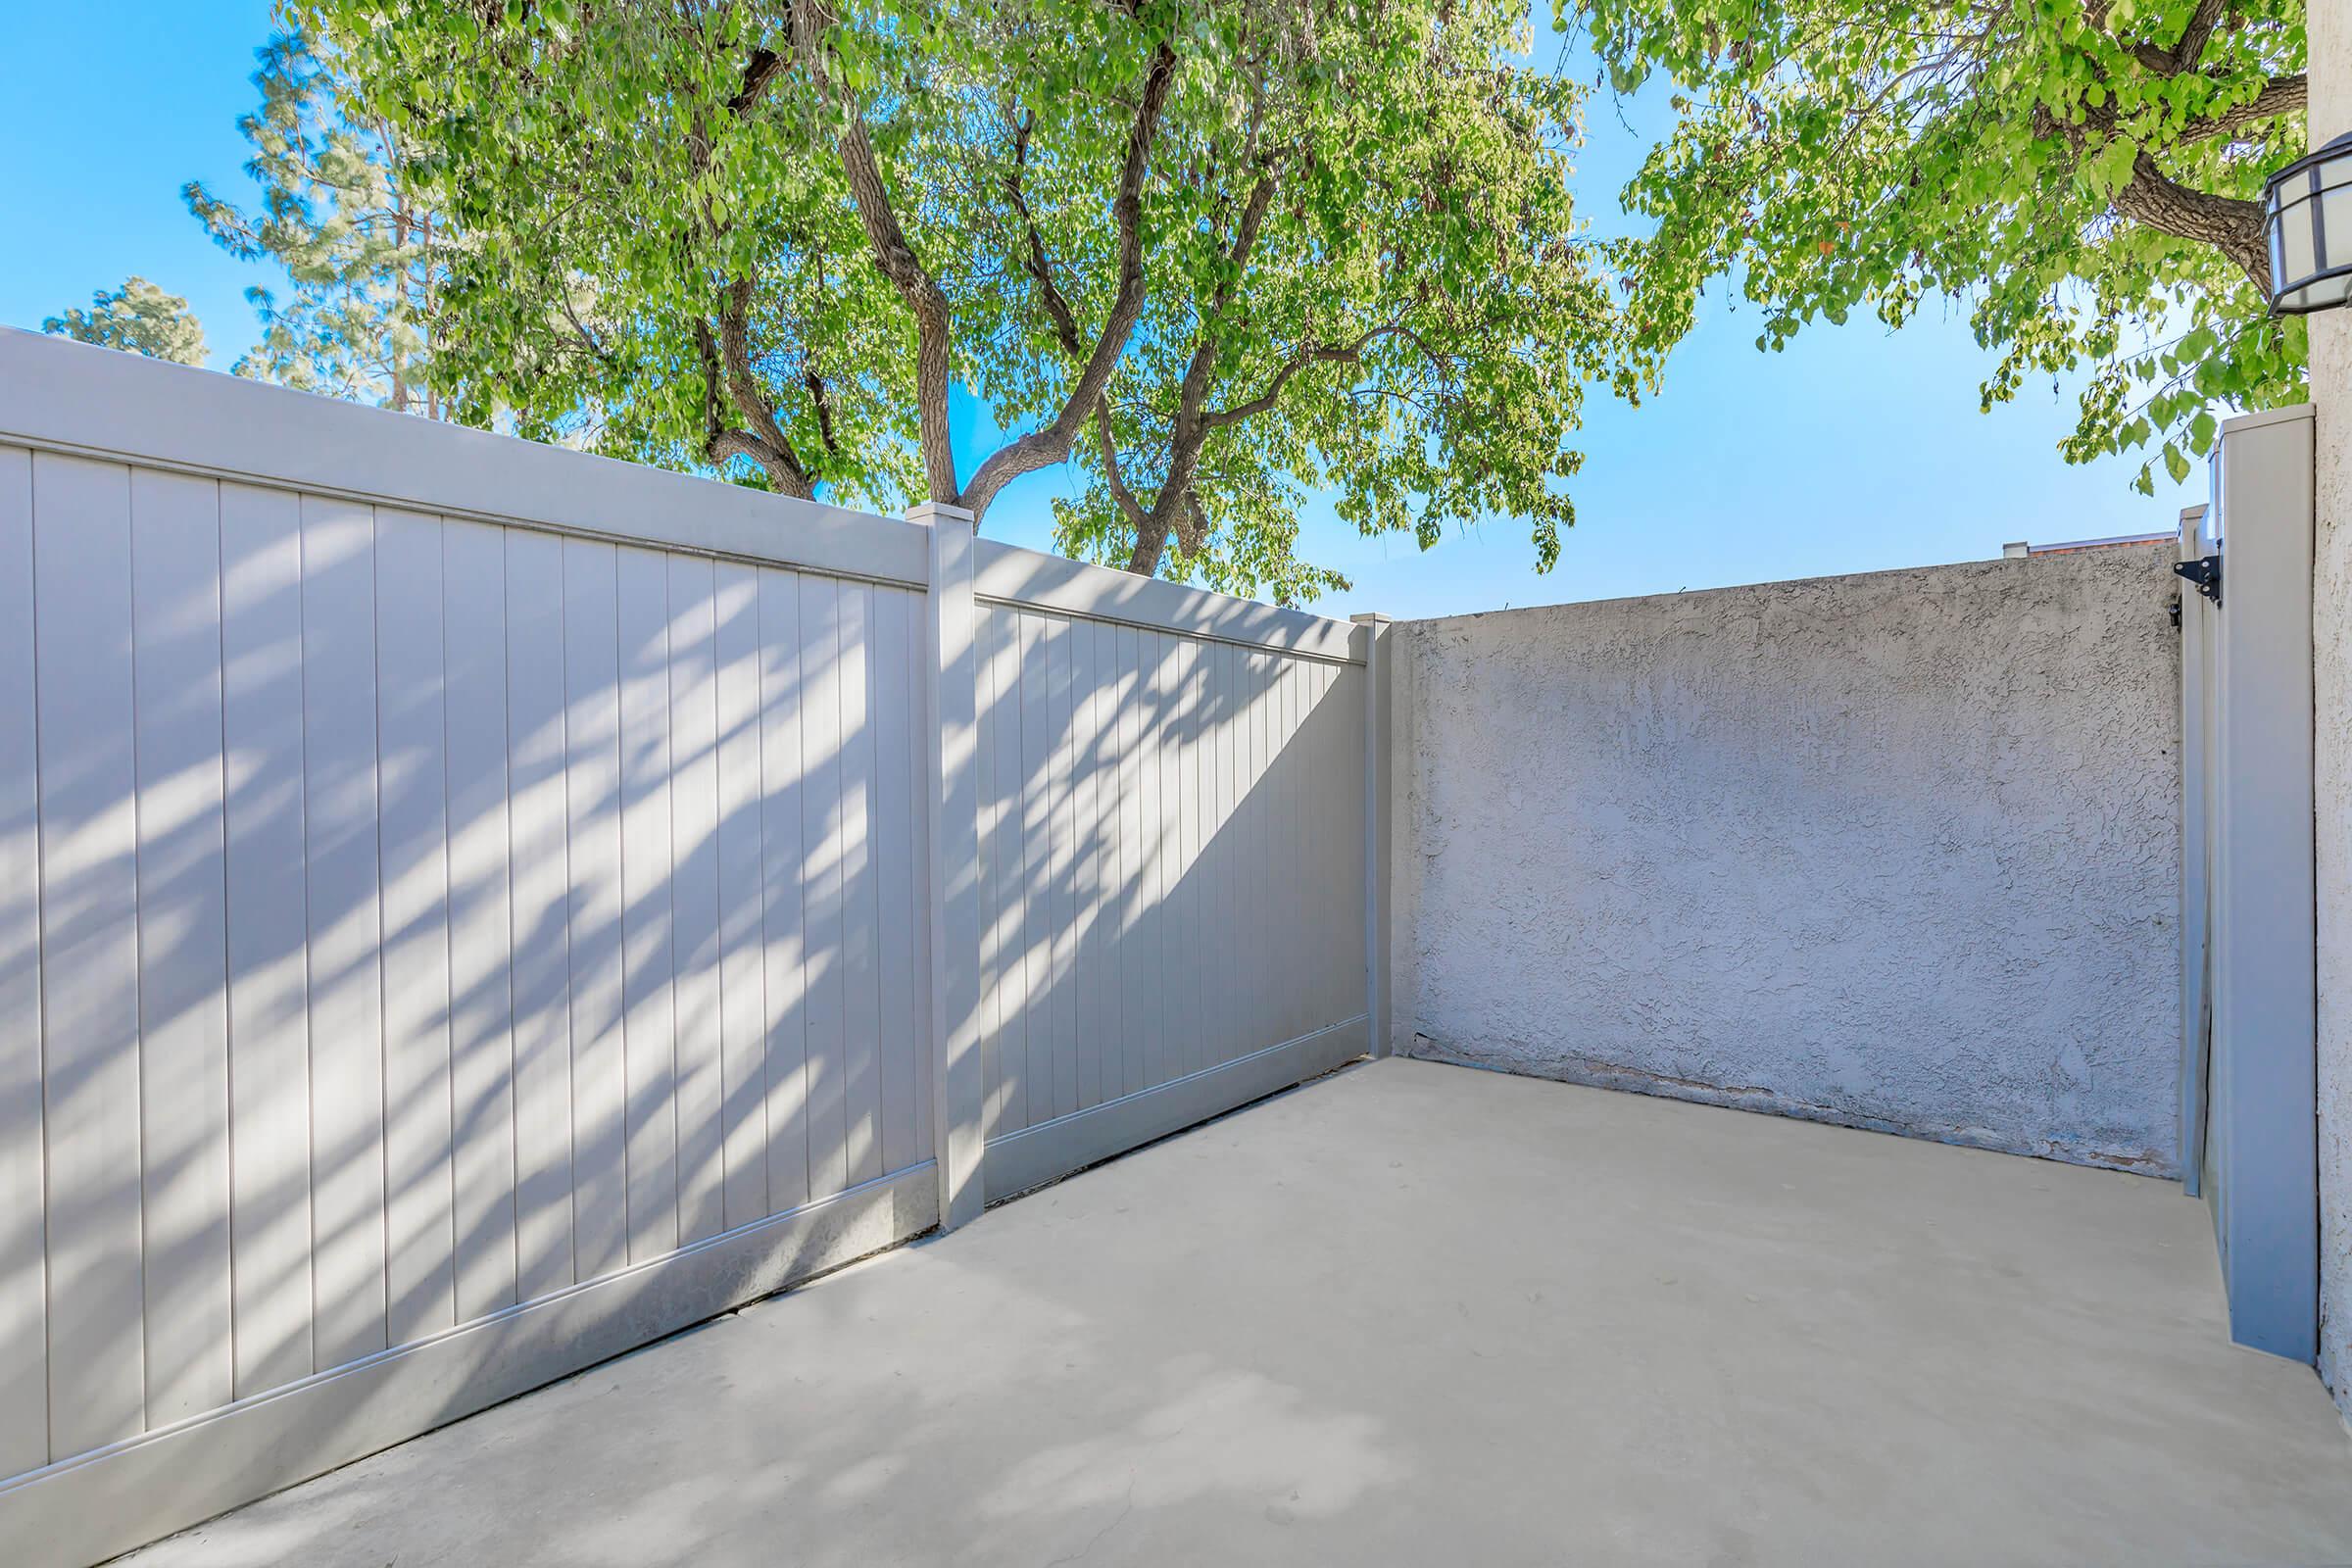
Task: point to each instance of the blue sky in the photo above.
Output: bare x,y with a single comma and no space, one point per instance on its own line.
1854,451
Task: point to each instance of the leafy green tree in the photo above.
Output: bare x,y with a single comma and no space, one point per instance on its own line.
137,318
2084,173
1214,252
339,213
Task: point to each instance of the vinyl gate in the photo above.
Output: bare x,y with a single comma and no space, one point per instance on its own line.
2248,945
468,908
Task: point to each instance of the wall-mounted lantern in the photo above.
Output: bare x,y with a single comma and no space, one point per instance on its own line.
2307,218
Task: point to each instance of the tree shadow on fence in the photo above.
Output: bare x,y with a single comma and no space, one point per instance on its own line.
434,917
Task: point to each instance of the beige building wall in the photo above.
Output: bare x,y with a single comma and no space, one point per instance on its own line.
2331,631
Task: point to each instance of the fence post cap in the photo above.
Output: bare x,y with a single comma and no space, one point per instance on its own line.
1372,617
925,514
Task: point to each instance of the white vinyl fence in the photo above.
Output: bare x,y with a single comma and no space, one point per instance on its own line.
2248,947
468,908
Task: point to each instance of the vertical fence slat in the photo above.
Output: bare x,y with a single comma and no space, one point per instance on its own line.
1003,910
1213,936
346,933
1033,1097
1338,946
540,880
484,1171
1061,715
903,991
1086,859
1323,842
89,949
648,1026
987,696
1379,702
183,978
1006,908
1102,731
24,1325
1250,844
1189,796
1257,841
700,1097
592,788
784,875
1298,806
1349,947
1158,855
945,694
1290,910
1223,845
1165,883
413,824
825,843
269,988
742,875
1135,826
919,720
861,1000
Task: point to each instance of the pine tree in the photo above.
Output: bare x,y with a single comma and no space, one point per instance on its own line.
363,257
139,319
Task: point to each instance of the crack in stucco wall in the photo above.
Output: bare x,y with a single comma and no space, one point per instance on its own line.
1899,851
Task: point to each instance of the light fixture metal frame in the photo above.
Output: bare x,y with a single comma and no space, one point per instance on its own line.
2278,206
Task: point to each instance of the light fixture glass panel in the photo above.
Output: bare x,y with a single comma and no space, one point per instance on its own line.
2298,259
2335,215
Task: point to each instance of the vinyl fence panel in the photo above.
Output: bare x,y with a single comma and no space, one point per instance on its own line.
468,909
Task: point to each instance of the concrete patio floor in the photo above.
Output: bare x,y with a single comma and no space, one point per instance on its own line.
1412,1314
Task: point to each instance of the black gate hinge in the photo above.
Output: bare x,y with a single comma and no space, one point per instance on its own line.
2206,572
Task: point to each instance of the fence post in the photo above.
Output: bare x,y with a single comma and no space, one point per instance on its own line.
2196,674
952,809
2262,1105
1376,828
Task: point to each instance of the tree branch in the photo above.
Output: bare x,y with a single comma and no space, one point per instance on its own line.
2199,32
2281,95
1040,269
822,396
1189,433
1191,523
1314,354
765,66
1041,448
742,383
1129,508
2230,225
893,256
1034,260
722,442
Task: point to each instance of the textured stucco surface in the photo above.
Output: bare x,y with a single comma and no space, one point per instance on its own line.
2331,75
1899,851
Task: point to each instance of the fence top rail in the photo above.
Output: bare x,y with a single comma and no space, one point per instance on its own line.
73,397
1010,575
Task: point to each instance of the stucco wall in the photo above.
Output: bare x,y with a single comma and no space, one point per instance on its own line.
2331,630
1899,851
